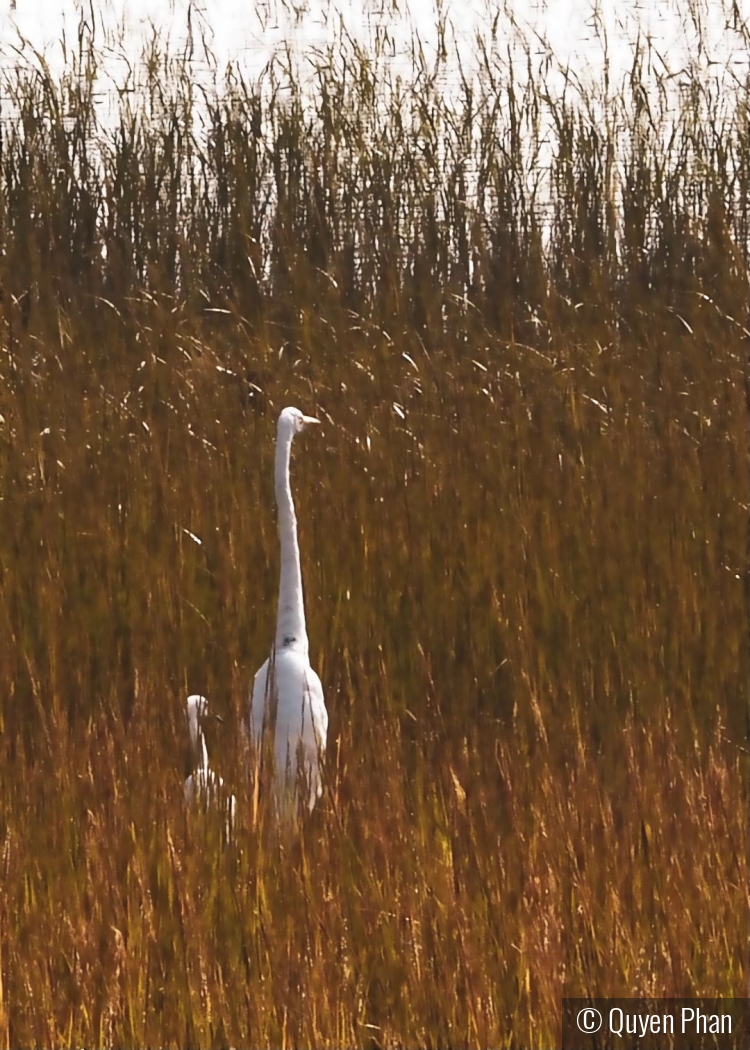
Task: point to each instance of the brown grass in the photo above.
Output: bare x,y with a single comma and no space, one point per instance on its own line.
523,535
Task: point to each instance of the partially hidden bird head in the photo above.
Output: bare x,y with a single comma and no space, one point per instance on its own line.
293,421
197,708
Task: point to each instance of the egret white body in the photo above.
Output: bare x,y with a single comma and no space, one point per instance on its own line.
203,787
287,699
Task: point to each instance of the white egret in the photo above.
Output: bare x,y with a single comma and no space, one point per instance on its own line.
203,786
287,699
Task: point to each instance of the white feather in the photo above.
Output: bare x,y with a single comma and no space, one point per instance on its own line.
287,698
204,787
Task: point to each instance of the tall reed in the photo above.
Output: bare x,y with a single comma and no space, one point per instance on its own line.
521,310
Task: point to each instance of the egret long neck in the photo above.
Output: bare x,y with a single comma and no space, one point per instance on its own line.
204,755
290,625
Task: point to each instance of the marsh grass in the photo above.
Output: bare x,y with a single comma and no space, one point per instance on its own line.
523,535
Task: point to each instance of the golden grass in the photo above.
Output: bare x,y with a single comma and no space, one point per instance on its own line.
523,535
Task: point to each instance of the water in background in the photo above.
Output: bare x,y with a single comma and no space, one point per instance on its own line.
574,35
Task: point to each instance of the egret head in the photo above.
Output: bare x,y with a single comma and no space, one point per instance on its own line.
292,421
197,707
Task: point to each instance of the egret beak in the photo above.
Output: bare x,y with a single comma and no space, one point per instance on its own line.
307,420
